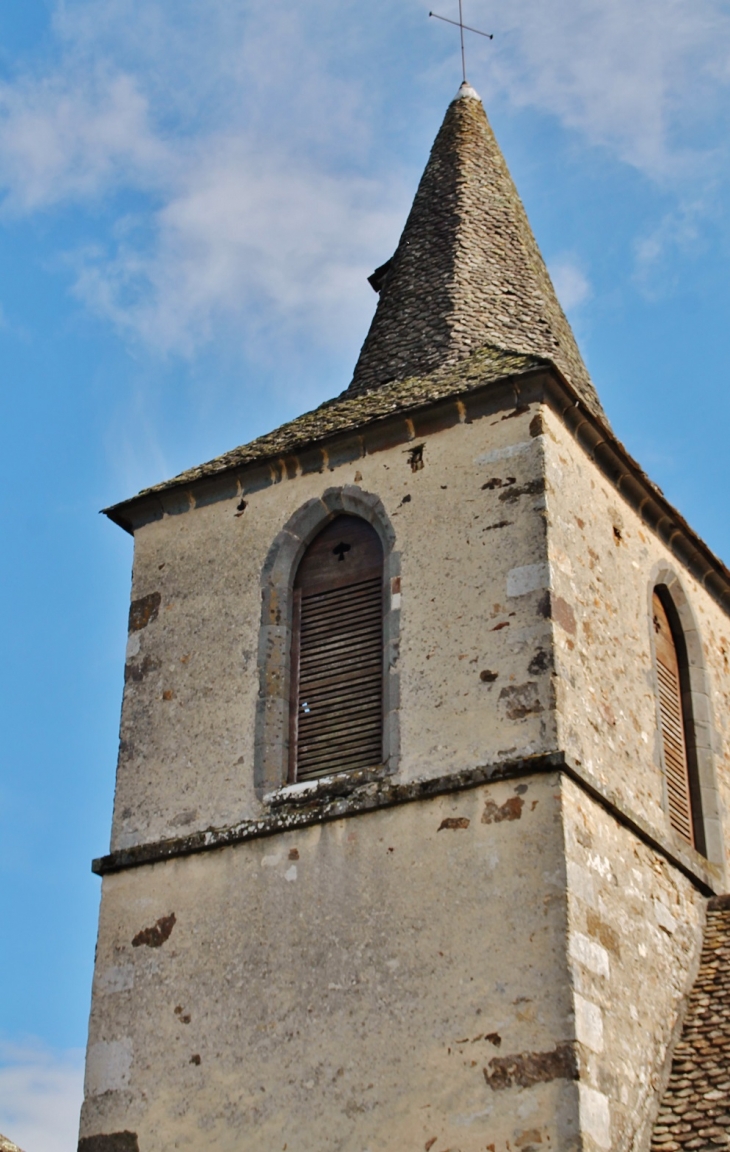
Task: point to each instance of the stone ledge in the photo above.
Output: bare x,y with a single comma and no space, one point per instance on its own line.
707,877
343,795
333,798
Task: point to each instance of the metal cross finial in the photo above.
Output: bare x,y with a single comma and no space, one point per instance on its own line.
461,26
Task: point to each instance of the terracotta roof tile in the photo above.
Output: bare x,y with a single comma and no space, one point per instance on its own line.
695,1109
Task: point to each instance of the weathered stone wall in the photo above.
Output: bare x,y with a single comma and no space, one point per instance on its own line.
604,563
394,980
474,647
635,927
415,975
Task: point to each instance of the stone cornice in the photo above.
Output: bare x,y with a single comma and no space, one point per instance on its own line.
352,794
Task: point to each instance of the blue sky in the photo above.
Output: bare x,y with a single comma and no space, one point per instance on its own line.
191,198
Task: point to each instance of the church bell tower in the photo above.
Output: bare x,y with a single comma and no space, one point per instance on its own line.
422,781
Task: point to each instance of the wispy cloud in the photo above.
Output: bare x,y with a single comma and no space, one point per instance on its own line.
571,283
62,141
640,77
40,1096
678,232
241,237
241,222
229,145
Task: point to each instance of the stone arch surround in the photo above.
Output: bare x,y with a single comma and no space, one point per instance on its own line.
697,702
271,753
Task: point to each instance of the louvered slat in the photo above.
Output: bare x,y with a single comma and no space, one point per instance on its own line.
337,658
339,714
672,724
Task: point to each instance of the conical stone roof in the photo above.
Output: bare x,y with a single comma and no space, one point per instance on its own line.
467,271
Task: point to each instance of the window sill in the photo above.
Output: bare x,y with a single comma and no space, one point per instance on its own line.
336,784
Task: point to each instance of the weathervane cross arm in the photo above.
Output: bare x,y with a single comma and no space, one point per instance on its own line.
462,28
466,27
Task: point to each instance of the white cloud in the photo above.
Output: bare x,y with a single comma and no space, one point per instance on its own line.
61,141
655,253
638,76
41,1091
223,147
571,284
235,223
240,237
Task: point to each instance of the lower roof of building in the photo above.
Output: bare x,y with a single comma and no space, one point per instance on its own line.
695,1109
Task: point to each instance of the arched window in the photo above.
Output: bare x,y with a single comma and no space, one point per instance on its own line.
675,720
336,718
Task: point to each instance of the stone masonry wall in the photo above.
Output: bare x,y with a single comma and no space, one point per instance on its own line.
525,627
395,980
603,564
635,926
474,642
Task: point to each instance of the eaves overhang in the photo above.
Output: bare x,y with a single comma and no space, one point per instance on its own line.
408,410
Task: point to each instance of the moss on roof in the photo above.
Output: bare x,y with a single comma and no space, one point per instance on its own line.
348,412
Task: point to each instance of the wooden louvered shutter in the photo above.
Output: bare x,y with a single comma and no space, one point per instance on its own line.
672,724
337,652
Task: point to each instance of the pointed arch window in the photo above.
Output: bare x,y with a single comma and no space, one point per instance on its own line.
336,713
675,722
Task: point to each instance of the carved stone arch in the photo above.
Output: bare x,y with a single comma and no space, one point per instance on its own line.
697,707
271,753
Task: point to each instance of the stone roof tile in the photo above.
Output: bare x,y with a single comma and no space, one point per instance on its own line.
353,411
467,271
7,1145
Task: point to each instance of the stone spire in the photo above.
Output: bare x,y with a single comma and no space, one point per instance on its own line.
467,271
